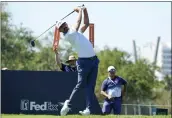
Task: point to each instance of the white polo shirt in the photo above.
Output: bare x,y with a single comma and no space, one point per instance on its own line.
80,43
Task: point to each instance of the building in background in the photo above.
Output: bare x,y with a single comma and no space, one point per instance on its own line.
166,59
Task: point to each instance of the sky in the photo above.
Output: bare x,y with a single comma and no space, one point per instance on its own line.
117,24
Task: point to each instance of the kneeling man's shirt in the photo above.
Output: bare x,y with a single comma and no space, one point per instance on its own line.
113,87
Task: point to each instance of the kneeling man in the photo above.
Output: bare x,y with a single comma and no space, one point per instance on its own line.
112,90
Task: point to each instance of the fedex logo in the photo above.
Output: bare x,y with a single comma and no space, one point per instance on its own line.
32,105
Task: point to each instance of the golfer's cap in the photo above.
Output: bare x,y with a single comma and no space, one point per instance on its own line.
60,23
110,68
71,58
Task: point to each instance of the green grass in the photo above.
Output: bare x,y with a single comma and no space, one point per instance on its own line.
78,116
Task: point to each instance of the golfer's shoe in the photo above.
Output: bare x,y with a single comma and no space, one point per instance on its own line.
85,112
65,109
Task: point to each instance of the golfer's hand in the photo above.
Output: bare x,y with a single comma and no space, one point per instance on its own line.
77,9
56,51
83,8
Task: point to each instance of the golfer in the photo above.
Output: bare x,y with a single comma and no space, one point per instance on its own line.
87,63
112,90
71,67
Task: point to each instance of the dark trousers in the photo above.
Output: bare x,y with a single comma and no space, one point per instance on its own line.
114,104
87,74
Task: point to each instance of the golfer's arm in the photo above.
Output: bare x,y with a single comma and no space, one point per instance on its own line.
57,59
86,21
104,93
78,23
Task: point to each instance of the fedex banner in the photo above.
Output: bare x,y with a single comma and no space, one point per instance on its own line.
26,105
40,92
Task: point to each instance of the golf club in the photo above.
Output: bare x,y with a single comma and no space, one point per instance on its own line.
33,41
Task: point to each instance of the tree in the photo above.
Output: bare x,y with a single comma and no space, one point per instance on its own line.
141,81
168,82
16,51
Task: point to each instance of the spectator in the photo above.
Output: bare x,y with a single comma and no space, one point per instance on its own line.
112,90
71,67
